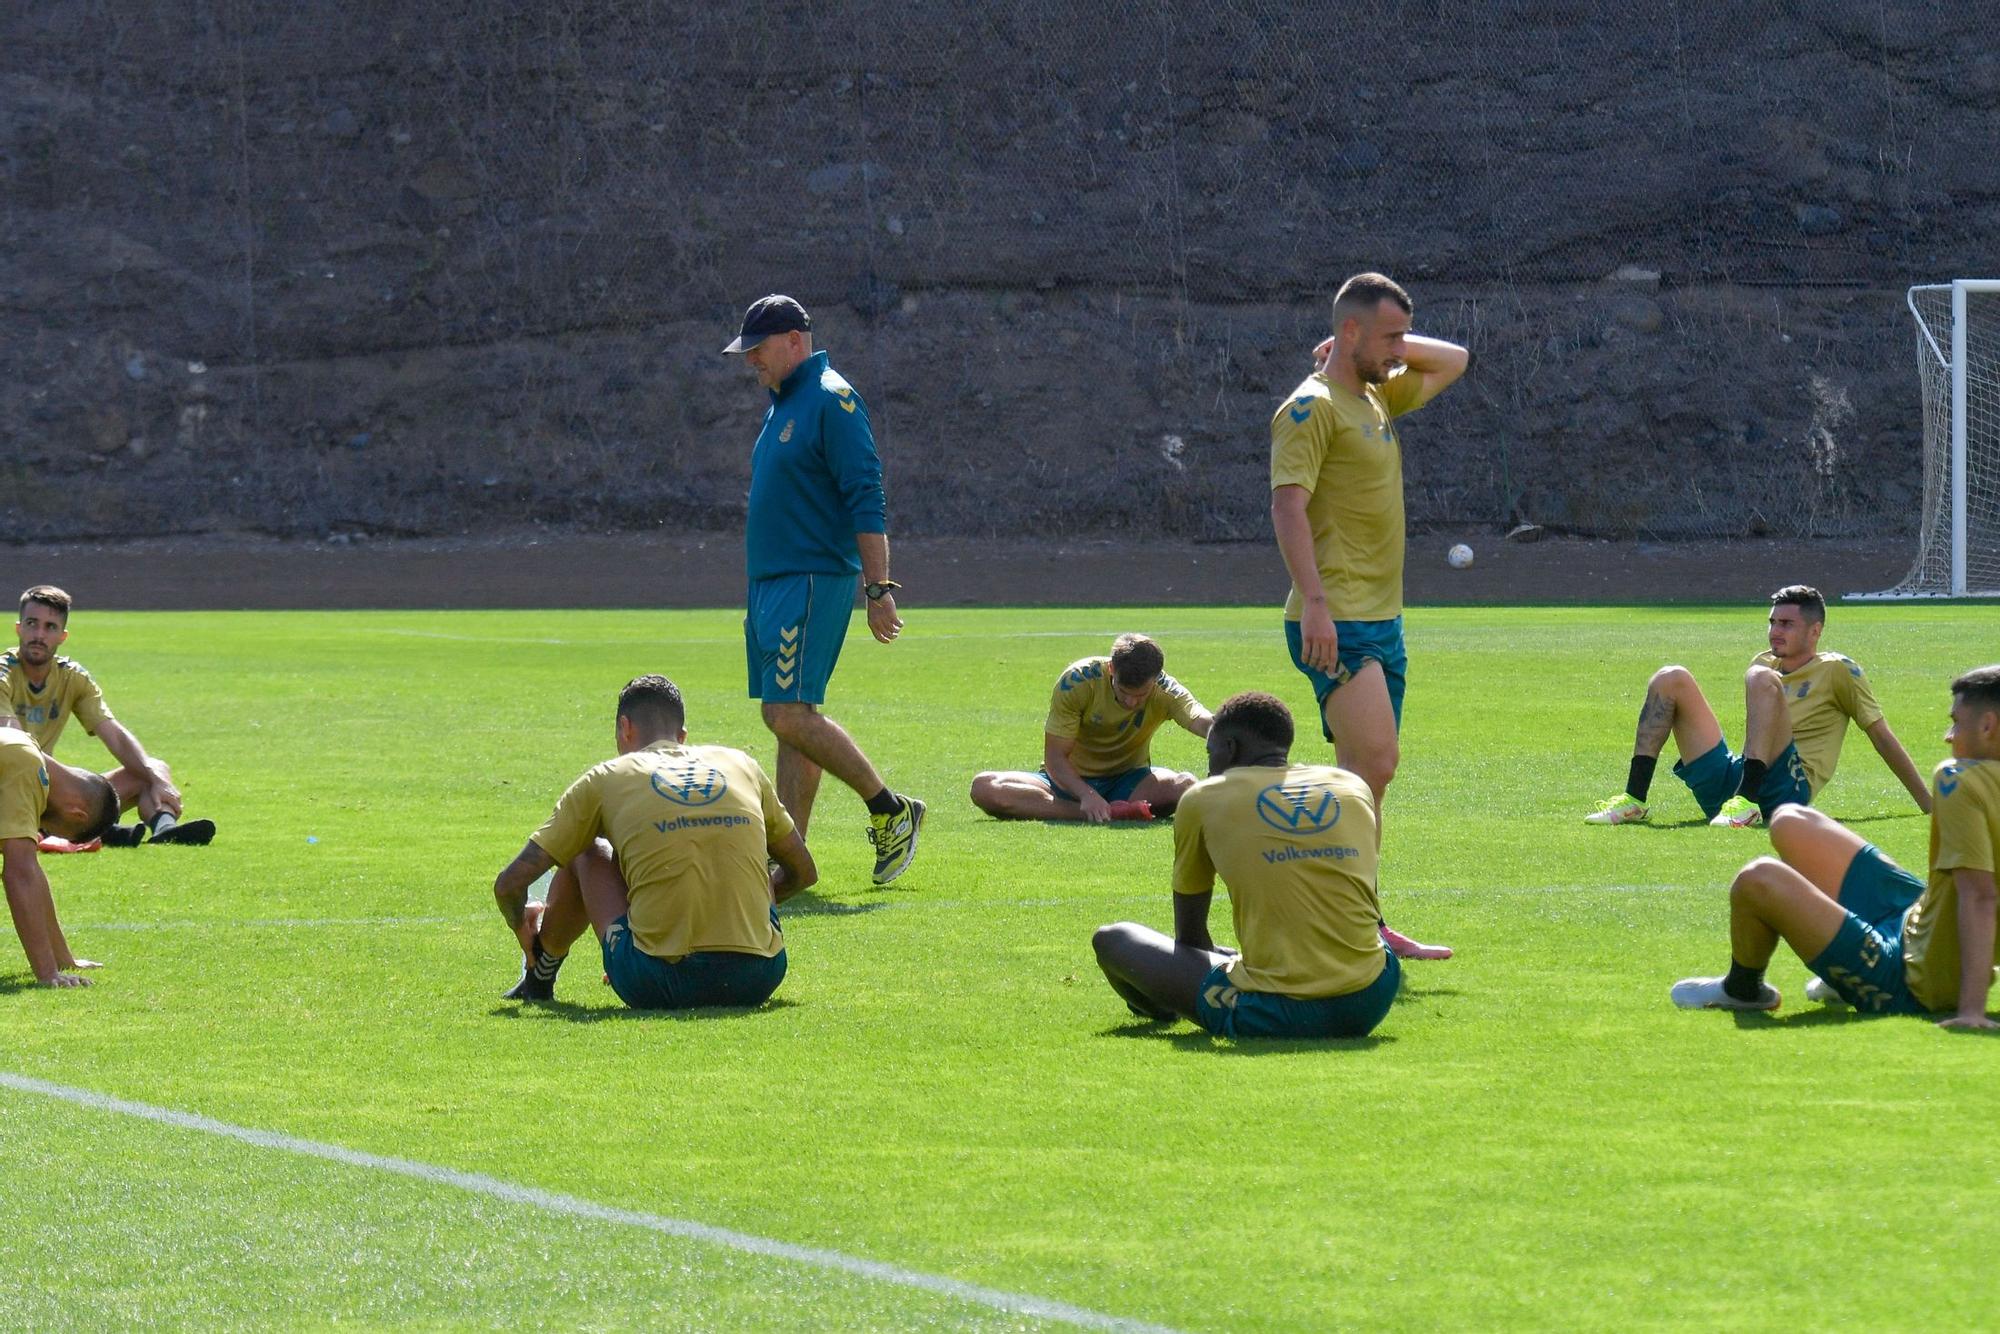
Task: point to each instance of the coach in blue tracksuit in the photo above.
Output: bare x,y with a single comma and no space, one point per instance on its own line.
816,525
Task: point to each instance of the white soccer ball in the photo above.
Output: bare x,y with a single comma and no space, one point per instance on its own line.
1459,556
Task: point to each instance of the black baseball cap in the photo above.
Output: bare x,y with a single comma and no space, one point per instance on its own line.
769,315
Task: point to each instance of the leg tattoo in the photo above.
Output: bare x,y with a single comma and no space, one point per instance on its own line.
1656,724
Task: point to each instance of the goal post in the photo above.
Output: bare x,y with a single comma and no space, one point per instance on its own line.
1958,368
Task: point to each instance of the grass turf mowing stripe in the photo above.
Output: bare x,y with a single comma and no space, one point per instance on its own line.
574,1207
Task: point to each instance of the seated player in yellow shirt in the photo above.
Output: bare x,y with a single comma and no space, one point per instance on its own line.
1797,702
1295,845
666,852
40,796
40,691
1874,935
1097,760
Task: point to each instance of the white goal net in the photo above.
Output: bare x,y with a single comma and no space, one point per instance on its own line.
1958,365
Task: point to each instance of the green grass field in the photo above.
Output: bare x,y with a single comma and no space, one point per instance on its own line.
1534,1137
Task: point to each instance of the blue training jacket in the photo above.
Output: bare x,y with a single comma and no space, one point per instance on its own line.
815,478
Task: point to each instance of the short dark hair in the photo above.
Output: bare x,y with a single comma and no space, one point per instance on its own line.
653,703
1363,292
104,805
49,596
1257,714
1135,660
1805,597
1980,688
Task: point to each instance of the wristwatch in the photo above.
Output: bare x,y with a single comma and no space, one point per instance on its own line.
876,592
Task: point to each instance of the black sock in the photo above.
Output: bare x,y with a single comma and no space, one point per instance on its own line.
1753,779
1639,778
1744,984
546,964
884,802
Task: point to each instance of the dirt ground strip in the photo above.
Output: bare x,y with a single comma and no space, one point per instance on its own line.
549,569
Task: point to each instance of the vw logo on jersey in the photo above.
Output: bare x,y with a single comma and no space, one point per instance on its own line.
686,781
1298,808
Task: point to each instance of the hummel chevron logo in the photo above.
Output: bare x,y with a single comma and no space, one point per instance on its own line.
789,633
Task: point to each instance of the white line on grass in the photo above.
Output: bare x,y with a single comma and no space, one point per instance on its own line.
1204,633
574,1207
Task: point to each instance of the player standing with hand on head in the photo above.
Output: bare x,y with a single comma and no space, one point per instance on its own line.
817,523
1337,510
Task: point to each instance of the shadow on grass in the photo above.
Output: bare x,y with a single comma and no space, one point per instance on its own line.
571,1013
1200,1039
1880,817
808,904
1766,1021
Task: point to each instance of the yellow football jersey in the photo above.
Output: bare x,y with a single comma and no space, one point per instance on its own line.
1343,449
68,690
1296,849
1965,832
24,785
1822,695
1111,738
691,826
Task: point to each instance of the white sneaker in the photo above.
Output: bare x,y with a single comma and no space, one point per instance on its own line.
1820,991
1706,993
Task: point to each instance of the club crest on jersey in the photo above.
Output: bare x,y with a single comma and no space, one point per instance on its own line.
1298,808
687,781
785,435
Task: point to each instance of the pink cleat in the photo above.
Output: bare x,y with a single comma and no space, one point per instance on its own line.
1131,810
1404,948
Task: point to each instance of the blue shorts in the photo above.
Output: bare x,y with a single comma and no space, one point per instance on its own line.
1714,778
1111,787
1864,962
712,977
1361,642
792,634
1229,1013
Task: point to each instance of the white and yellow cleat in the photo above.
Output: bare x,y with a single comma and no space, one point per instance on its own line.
1621,809
1738,813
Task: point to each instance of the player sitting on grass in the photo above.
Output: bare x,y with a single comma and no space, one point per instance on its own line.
1876,936
663,853
39,690
40,796
1797,701
1096,760
1295,845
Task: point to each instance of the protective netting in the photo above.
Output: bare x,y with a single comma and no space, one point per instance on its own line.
317,265
1977,497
